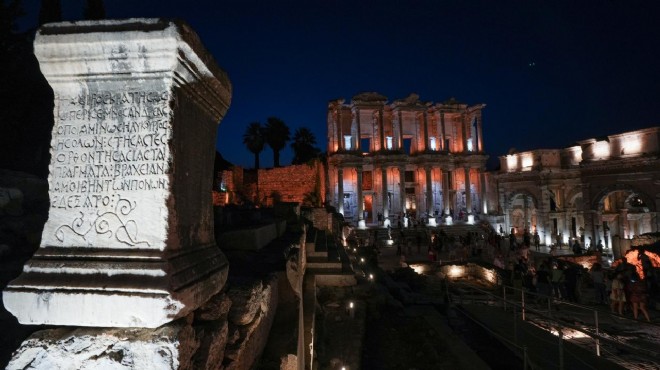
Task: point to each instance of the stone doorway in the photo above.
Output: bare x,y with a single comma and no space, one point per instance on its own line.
368,208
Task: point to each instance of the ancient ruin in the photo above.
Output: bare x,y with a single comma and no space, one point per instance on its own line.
409,157
600,189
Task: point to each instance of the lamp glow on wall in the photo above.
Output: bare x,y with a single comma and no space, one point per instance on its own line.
527,161
577,155
432,143
388,142
469,145
631,145
512,162
601,149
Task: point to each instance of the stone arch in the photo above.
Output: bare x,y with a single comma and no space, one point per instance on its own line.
573,194
521,192
597,200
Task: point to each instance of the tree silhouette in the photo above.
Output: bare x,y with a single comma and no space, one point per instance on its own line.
277,134
303,146
254,139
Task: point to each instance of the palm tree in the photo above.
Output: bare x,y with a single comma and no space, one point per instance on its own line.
255,140
277,134
303,146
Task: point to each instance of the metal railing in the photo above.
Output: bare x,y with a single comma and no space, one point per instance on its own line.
520,307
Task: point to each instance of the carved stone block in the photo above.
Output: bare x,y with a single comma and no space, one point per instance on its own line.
129,238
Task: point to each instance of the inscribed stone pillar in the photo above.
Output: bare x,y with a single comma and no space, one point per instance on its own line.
129,238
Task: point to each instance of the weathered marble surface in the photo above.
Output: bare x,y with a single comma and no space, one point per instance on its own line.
129,239
169,347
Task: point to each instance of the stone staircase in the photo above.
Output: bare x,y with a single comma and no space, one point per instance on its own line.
327,260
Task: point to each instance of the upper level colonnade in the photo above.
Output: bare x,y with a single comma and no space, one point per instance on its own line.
406,157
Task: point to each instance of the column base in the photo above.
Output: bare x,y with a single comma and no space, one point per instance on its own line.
432,222
105,289
470,219
362,224
448,220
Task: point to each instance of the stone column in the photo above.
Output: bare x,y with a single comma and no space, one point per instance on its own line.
129,240
623,223
429,191
464,124
355,129
340,190
480,134
444,134
340,129
446,188
525,212
468,192
426,131
381,128
386,210
484,192
402,188
360,209
398,131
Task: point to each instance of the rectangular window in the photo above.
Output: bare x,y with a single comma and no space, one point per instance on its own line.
409,176
365,145
407,145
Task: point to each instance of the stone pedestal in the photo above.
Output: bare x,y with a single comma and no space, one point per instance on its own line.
432,222
129,239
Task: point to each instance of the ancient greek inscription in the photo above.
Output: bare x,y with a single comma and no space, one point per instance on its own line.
108,143
109,149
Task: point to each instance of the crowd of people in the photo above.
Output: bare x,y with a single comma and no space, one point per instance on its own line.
550,279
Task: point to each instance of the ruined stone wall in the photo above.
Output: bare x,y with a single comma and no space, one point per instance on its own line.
283,184
291,183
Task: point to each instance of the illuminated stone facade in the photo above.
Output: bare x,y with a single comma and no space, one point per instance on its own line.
409,156
604,188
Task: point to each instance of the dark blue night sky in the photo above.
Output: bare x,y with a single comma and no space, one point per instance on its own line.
550,72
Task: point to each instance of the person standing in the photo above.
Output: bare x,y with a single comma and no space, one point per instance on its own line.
639,297
617,297
598,277
557,279
543,284
537,241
